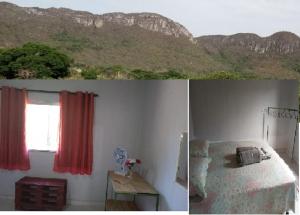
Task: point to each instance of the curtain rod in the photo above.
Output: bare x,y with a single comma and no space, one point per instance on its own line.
47,91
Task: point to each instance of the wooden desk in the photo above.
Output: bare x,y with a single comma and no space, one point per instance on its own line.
134,185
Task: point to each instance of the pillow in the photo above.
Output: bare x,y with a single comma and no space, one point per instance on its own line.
198,171
198,148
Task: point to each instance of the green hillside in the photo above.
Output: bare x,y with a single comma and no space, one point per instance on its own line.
149,46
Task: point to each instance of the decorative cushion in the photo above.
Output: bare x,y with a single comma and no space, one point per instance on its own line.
198,148
198,171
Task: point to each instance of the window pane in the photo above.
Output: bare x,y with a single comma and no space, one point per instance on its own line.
42,122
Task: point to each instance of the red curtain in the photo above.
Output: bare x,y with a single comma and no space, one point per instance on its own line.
13,152
75,150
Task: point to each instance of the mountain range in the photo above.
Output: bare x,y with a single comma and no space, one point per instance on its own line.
148,41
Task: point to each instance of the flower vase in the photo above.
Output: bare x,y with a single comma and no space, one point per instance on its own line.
129,173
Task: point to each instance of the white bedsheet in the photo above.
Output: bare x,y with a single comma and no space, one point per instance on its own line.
266,187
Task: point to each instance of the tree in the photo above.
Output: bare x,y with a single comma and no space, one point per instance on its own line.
148,75
38,60
143,75
296,67
173,74
223,75
90,73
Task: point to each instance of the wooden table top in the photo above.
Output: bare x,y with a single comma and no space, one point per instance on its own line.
131,185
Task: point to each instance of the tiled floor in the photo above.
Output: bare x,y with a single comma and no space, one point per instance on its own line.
8,205
295,168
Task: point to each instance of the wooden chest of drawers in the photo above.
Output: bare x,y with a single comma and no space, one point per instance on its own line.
40,194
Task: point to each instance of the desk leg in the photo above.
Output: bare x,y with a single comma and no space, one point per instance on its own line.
106,191
157,202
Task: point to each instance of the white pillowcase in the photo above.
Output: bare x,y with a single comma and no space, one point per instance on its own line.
198,171
198,148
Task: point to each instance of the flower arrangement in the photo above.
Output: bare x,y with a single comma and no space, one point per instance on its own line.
131,162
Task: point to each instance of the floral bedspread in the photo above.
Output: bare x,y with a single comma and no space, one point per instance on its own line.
261,188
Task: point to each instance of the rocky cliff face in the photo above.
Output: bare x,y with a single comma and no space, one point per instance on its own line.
148,21
282,43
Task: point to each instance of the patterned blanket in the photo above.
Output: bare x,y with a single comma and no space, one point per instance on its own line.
261,188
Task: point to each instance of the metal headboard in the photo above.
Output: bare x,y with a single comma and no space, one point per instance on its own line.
283,113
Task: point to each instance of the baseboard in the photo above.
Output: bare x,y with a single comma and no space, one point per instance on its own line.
7,197
85,203
237,140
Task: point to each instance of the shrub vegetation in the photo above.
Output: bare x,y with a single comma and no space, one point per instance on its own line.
33,60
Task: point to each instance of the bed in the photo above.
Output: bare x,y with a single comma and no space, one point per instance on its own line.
261,188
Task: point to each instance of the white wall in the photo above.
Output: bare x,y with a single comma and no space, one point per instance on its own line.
166,117
233,110
118,114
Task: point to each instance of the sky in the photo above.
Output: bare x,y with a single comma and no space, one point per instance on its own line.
200,17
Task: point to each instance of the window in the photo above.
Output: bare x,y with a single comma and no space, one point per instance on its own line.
42,127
